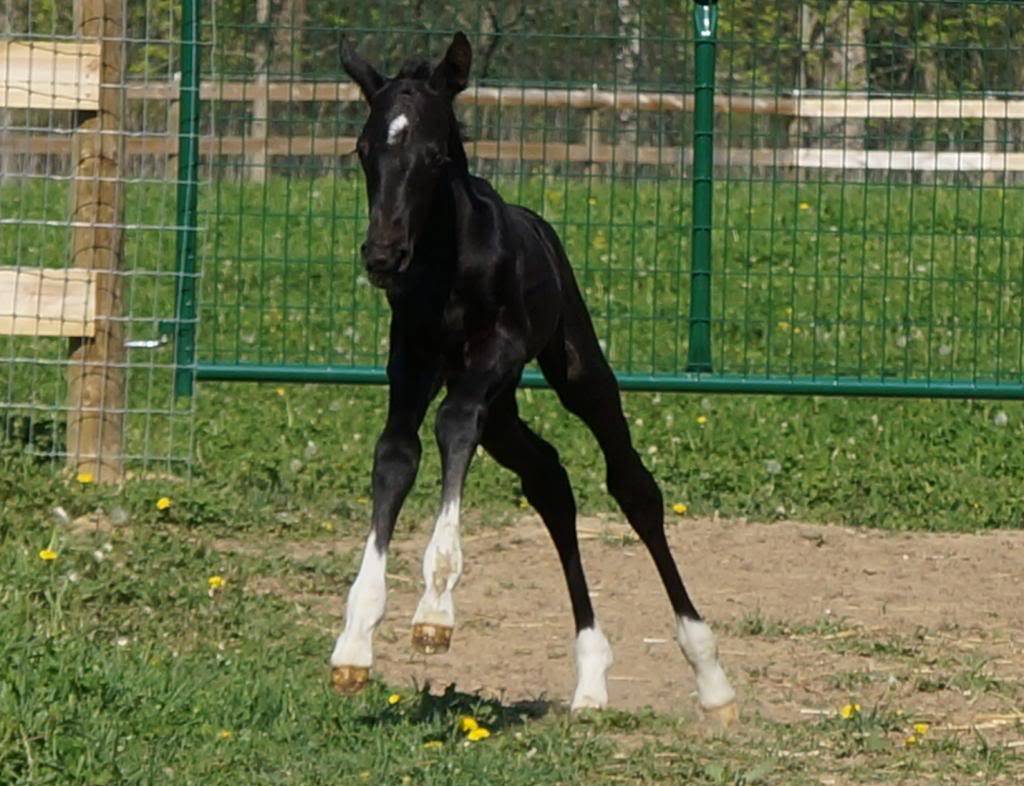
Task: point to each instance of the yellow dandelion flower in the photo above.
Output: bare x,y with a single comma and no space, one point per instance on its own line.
702,419
394,698
467,723
805,205
163,503
225,734
478,734
680,508
215,582
784,326
523,504
920,729
84,477
910,741
47,555
433,745
849,711
279,391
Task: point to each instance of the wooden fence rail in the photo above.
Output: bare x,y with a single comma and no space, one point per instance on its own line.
260,142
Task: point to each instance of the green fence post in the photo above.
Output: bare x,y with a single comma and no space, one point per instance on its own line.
188,185
705,22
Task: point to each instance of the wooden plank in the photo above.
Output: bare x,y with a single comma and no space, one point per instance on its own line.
96,395
594,152
49,75
908,108
906,160
47,302
852,106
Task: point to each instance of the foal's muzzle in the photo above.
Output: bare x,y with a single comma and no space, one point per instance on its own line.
384,261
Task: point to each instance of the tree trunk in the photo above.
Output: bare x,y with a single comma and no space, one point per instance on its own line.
6,160
256,161
628,63
834,60
287,48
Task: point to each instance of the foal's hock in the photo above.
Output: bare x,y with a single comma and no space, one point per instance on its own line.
477,289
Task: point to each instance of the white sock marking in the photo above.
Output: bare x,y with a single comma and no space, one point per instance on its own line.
593,659
364,611
396,127
442,568
698,645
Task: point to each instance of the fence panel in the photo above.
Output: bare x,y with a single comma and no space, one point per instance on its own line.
564,115
88,233
870,241
867,173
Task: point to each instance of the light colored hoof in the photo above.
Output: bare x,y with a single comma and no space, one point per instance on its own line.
724,716
587,704
431,639
349,680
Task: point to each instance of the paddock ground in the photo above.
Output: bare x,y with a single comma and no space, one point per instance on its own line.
913,628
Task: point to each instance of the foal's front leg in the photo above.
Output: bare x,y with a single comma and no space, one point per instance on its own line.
395,462
458,428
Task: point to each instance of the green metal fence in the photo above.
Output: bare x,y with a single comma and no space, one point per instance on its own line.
834,209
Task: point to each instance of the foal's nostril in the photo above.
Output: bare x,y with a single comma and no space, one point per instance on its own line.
402,258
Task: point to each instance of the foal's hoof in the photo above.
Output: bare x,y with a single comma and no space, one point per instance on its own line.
349,680
723,716
431,639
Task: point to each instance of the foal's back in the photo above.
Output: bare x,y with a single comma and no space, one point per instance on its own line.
533,275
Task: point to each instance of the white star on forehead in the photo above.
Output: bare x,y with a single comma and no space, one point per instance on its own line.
396,127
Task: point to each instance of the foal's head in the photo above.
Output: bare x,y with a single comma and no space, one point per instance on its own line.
409,139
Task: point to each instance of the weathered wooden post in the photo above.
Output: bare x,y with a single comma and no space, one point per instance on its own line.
256,163
96,396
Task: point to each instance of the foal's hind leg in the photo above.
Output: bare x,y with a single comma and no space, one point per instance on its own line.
513,445
577,370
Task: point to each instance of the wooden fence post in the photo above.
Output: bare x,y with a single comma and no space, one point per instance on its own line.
173,117
256,163
96,396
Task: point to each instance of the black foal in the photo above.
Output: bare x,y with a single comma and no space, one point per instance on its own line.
477,289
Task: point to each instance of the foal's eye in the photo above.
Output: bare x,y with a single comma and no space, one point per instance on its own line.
363,147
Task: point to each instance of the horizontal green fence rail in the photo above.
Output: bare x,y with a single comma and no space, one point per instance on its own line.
784,197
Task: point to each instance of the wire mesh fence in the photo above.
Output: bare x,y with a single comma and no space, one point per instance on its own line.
868,166
866,219
563,116
88,233
867,169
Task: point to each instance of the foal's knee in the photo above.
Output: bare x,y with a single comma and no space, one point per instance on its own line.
459,424
397,455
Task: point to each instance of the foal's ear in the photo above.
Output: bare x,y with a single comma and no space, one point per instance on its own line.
452,73
364,74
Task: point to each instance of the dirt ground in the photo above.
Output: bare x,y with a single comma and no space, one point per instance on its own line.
809,618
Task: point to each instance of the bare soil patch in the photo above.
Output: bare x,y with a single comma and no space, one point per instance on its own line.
809,618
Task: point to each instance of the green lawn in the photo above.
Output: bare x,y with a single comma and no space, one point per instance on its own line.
232,688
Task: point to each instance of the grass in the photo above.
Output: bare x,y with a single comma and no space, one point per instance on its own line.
120,667
118,664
